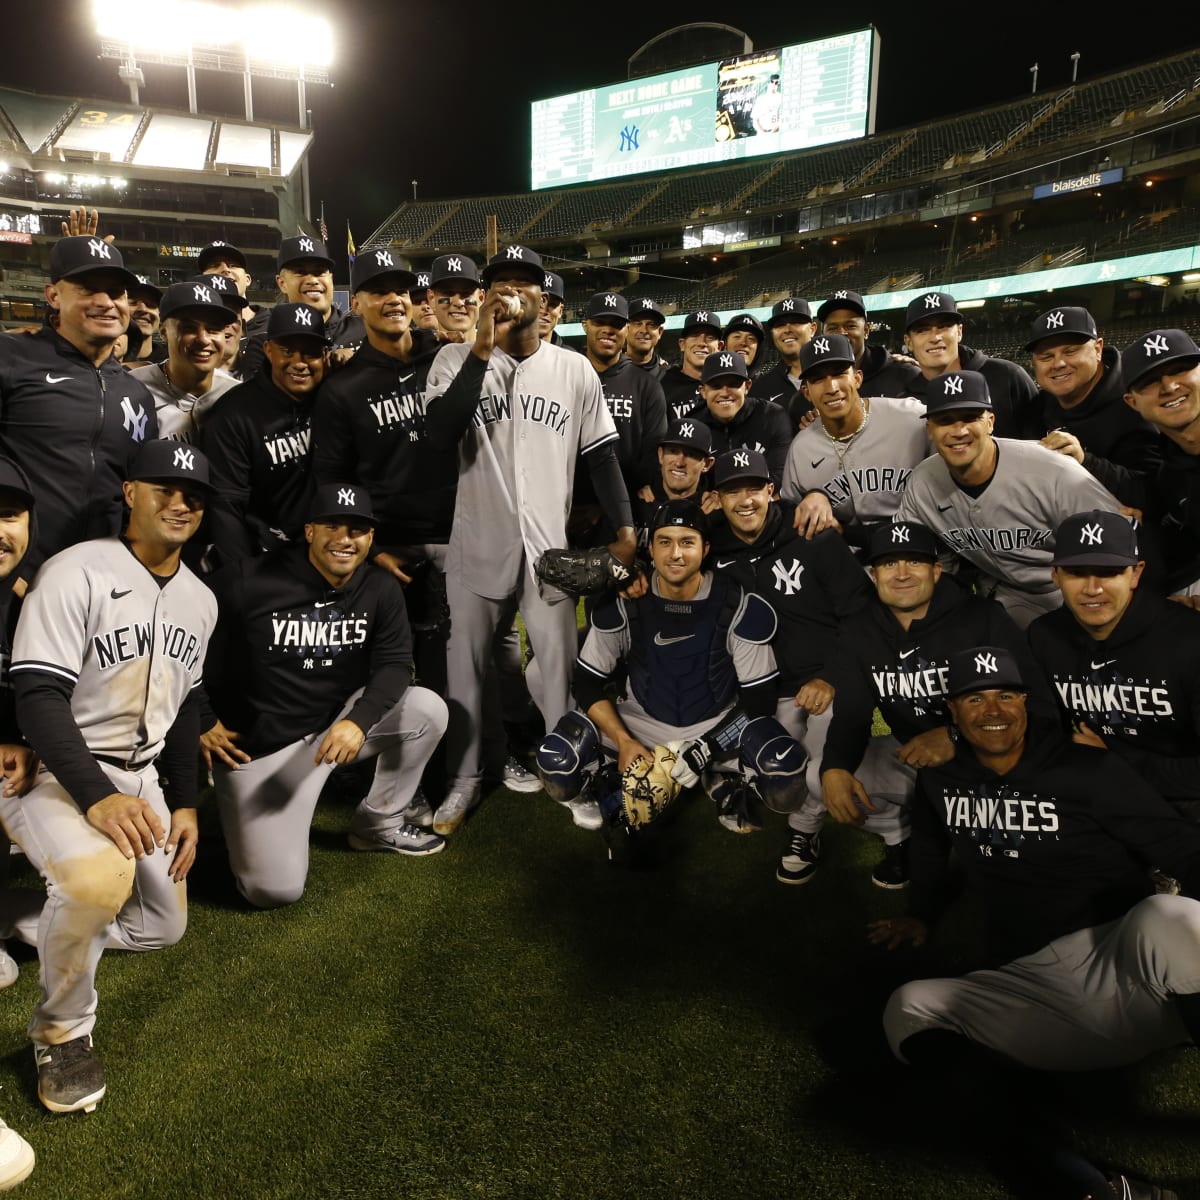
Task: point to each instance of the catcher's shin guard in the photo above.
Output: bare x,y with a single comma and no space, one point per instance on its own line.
776,762
565,754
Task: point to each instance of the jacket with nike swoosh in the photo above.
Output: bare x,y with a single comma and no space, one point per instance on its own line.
72,427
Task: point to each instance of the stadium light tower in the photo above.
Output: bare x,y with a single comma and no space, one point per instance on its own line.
267,40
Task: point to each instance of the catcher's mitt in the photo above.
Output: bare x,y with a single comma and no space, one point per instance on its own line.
647,788
581,572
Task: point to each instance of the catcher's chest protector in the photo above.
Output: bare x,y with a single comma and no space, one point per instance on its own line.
679,664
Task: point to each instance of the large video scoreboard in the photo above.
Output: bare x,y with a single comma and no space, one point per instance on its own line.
767,102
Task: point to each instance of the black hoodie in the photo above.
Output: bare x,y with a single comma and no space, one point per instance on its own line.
1013,392
757,425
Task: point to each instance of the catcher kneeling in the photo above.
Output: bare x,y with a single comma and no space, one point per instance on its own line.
700,703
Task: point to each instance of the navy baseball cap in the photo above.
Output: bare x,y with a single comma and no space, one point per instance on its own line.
842,298
680,512
143,287
374,264
645,308
981,668
173,462
226,289
1156,349
453,268
747,322
1062,322
690,434
198,298
420,287
722,364
910,538
1095,539
297,249
13,481
612,305
552,286
931,304
735,465
826,349
296,320
792,308
216,252
343,502
73,256
702,319
957,389
515,258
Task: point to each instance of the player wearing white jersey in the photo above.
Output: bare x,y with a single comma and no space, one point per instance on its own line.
519,410
107,654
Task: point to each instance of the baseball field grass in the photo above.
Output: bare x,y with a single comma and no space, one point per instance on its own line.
518,1018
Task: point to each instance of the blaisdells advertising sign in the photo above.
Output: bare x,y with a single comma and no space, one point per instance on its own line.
1080,183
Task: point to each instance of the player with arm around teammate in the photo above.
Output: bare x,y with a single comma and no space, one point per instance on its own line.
315,663
701,679
1089,970
107,658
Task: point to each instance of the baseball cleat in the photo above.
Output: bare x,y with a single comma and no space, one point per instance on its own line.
419,810
16,1158
70,1075
452,811
585,813
892,871
799,863
407,839
516,778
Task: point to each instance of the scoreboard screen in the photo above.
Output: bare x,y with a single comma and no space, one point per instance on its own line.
765,102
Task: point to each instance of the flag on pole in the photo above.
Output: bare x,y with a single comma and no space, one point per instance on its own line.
321,224
350,251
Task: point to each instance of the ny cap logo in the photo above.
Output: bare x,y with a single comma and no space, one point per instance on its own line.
547,282
1054,321
383,259
346,496
99,249
1092,535
687,430
726,360
701,317
306,244
217,243
220,283
1156,345
185,460
423,280
821,345
610,301
985,664
787,306
303,317
840,295
953,386
515,252
647,303
741,458
454,264
201,293
933,300
900,533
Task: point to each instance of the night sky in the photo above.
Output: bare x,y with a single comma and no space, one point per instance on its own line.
440,92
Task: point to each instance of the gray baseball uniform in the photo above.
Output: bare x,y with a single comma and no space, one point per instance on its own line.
864,477
180,414
1007,530
131,647
516,468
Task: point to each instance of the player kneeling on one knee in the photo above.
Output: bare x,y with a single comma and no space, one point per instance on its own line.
697,655
312,667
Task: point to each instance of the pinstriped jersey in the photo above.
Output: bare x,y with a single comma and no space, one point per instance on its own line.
130,649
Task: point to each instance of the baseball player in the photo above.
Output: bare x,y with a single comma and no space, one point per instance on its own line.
312,660
696,648
1080,408
851,465
684,457
551,311
894,655
423,316
106,659
933,335
455,294
739,421
1124,663
519,410
257,438
69,413
225,260
642,335
235,301
792,327
995,502
699,337
188,382
745,334
145,317
883,374
1090,971
304,276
